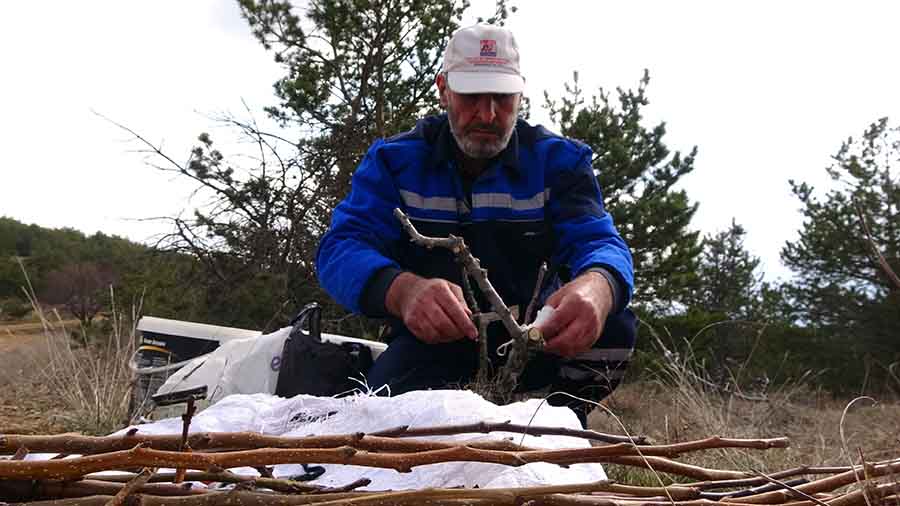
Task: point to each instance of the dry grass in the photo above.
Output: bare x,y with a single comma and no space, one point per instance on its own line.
91,383
682,403
56,386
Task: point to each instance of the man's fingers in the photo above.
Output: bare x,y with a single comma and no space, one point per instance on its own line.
460,313
573,340
447,313
423,330
561,318
457,292
562,344
568,329
462,324
443,327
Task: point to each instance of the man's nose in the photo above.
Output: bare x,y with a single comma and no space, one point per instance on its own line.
486,112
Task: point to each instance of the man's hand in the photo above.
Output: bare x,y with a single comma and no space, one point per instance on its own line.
434,310
582,306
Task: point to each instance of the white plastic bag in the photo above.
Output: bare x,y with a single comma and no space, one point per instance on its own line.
304,415
239,366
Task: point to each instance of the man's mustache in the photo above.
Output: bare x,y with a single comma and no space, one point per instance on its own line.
484,127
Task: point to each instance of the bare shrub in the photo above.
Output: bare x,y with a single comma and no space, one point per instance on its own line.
81,287
93,383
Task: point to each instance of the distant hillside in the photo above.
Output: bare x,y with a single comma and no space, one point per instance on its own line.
70,269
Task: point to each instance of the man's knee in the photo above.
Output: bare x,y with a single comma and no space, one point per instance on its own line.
409,364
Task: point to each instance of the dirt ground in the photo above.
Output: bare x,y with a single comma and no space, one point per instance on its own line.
27,405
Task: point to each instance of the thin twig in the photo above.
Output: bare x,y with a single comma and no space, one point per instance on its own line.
285,485
136,483
786,486
767,486
885,266
185,426
486,427
362,482
844,449
532,304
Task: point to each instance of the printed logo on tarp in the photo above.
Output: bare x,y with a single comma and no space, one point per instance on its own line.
488,47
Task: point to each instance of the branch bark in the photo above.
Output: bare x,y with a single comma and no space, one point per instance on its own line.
224,441
133,485
882,262
485,427
827,484
473,267
402,462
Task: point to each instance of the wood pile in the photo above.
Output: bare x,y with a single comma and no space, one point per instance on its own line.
76,476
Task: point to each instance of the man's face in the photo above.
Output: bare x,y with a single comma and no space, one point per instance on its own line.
481,123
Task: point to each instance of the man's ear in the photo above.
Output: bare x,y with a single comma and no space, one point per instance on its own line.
441,82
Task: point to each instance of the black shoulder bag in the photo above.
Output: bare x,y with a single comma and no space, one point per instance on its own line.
311,366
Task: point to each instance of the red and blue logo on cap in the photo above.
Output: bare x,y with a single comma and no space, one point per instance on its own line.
488,47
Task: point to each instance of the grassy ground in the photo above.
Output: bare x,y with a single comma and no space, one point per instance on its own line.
813,420
27,405
50,382
49,386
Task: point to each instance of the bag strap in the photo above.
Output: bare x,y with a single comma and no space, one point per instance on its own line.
310,316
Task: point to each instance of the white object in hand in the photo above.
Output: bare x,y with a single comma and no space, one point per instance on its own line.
543,315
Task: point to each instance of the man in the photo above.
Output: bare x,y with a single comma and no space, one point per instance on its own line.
519,195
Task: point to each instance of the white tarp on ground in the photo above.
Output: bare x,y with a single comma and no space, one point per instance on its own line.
305,415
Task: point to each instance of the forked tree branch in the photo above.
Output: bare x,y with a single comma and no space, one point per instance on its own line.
473,267
885,266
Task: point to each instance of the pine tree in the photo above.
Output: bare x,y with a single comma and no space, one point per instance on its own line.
354,70
637,173
840,288
729,283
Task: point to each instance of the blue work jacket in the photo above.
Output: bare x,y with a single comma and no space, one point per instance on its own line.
537,201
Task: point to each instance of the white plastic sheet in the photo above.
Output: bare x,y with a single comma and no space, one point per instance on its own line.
305,415
245,366
239,366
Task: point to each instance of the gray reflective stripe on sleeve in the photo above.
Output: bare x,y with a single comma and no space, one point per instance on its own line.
412,199
575,373
433,220
506,201
605,355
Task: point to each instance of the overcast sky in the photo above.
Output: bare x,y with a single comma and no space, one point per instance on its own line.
766,90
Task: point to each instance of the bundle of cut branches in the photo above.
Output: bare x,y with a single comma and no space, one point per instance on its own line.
80,473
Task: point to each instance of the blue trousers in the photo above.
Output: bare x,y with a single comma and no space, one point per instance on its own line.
409,364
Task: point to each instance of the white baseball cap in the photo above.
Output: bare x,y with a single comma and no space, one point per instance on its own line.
483,59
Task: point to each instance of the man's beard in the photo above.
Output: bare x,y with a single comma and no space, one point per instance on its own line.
482,149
